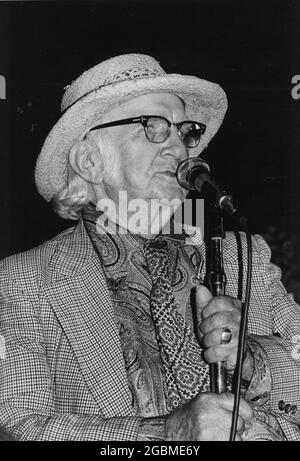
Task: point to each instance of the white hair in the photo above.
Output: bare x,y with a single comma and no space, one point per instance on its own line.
68,202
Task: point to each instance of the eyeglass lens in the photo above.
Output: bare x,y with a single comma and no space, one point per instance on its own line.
158,130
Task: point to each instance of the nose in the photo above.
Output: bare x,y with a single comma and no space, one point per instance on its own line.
174,147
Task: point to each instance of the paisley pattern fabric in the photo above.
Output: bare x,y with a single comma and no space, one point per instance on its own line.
157,384
181,357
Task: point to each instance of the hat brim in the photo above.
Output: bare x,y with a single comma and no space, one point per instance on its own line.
205,102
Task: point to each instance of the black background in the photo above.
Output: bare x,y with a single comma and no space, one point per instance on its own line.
251,48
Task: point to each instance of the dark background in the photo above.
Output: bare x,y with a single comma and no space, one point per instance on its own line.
251,48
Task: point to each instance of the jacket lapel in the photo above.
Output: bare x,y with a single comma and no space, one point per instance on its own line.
81,301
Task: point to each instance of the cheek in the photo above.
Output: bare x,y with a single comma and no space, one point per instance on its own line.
137,163
136,176
112,161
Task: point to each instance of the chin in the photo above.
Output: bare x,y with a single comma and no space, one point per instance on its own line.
170,193
159,190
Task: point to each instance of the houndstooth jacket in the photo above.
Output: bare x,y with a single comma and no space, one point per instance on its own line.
62,374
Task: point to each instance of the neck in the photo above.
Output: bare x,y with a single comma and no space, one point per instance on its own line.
138,216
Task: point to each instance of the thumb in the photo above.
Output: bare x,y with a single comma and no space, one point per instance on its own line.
226,401
203,296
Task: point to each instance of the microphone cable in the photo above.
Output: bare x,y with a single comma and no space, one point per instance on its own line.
236,383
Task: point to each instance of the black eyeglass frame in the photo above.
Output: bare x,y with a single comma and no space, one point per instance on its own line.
143,120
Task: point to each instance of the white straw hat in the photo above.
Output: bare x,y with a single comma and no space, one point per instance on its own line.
108,85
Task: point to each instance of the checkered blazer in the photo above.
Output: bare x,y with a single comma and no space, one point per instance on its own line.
62,374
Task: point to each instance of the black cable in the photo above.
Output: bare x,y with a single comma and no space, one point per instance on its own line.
240,264
242,337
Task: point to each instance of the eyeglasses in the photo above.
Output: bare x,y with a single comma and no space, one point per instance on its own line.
157,129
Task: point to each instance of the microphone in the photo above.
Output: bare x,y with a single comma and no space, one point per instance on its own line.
194,174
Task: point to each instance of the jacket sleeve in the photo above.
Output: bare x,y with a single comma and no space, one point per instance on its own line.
282,349
27,400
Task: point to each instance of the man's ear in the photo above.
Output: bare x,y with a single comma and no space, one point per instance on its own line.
86,160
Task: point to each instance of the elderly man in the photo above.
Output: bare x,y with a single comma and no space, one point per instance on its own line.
98,328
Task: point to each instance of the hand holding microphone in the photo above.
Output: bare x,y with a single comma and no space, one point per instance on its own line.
209,415
219,323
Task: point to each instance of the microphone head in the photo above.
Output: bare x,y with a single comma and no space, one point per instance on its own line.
186,168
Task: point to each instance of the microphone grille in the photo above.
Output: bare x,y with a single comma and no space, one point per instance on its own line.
188,166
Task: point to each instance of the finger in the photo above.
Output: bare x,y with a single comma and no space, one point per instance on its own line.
221,303
214,337
223,353
203,297
240,424
230,320
245,411
226,401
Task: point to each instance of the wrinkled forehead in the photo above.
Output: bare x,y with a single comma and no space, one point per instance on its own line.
148,104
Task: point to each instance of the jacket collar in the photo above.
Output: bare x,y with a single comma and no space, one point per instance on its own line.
77,291
74,251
